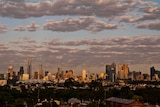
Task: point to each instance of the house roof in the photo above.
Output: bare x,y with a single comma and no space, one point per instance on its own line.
120,100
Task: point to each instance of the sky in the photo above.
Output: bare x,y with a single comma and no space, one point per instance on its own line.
79,34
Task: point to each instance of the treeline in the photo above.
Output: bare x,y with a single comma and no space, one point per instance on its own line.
95,92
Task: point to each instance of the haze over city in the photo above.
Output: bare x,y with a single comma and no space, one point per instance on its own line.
78,34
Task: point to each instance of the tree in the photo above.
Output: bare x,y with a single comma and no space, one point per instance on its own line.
92,105
69,83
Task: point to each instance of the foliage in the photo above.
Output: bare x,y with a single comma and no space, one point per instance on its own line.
92,105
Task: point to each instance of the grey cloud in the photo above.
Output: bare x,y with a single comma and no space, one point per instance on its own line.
82,23
150,25
20,28
95,52
149,17
128,19
3,28
100,8
32,27
122,49
25,39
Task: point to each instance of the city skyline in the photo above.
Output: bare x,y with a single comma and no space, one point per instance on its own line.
80,34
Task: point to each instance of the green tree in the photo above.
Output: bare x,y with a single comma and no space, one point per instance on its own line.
92,105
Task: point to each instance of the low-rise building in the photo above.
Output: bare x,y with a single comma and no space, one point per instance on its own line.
119,102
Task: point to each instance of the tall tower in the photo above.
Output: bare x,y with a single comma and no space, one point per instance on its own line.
111,72
29,68
40,72
20,73
123,71
84,74
10,72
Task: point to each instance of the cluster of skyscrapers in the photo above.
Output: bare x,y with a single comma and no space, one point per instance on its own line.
123,73
112,73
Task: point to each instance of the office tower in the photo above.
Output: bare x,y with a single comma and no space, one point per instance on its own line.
10,72
40,72
111,72
1,76
25,76
60,73
101,75
29,68
46,73
123,71
20,73
84,74
154,73
36,75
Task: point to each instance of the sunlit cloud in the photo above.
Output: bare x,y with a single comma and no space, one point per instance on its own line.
3,28
150,25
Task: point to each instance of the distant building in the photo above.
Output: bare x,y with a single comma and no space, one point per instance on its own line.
111,72
101,75
10,72
84,74
35,76
93,76
69,74
3,82
135,76
20,73
123,71
40,72
119,102
25,77
154,74
2,76
29,68
46,73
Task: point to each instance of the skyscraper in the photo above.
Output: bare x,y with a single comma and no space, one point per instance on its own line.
29,68
111,72
84,74
153,73
20,73
40,72
123,71
10,72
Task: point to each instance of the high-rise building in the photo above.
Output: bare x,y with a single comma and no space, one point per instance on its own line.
40,72
123,71
46,73
10,72
20,73
84,74
29,68
111,72
35,76
154,74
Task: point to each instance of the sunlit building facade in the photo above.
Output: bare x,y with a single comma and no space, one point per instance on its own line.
123,71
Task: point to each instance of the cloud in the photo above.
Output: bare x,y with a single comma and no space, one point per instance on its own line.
149,17
100,8
32,27
73,53
150,25
131,50
82,23
3,28
128,19
20,28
